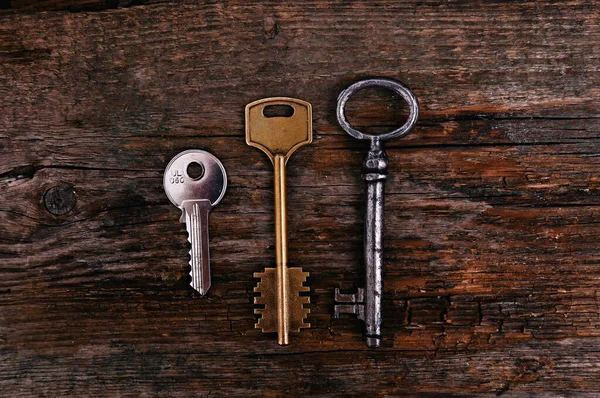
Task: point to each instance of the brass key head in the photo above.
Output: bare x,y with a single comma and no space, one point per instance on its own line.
279,135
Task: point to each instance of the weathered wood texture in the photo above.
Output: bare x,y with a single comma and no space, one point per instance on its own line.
32,6
493,204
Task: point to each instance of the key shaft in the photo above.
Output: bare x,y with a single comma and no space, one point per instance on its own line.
281,252
375,174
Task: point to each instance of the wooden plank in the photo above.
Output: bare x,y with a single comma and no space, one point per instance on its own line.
492,203
58,5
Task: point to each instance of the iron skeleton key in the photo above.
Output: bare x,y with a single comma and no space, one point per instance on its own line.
366,302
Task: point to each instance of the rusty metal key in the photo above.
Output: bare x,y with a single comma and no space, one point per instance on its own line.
366,302
279,137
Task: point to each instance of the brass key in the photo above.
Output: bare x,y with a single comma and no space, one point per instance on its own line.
280,287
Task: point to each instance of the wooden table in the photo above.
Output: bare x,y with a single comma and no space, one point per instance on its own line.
492,269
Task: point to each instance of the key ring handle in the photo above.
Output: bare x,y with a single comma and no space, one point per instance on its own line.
390,84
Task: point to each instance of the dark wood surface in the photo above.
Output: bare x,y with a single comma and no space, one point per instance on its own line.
492,270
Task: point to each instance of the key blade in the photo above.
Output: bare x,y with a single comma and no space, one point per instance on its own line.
278,135
297,312
267,287
195,216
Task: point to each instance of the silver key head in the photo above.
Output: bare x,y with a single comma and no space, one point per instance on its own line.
210,182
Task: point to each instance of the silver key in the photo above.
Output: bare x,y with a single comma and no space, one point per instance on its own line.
366,302
196,195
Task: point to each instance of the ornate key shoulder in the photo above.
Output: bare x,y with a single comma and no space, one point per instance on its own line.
196,194
366,302
280,287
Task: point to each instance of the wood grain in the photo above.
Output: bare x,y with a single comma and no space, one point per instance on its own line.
492,206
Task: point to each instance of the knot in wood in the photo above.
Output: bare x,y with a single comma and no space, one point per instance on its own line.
270,27
60,200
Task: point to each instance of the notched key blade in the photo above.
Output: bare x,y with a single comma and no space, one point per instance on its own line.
195,215
297,312
267,287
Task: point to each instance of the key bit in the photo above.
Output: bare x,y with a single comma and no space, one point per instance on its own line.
352,303
366,303
195,195
280,287
268,286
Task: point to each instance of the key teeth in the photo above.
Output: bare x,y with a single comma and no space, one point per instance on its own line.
192,284
197,288
267,287
303,324
298,311
191,262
